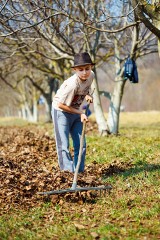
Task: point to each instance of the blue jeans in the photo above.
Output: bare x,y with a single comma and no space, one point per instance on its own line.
66,124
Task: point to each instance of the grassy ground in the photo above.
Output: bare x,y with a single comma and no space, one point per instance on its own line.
131,211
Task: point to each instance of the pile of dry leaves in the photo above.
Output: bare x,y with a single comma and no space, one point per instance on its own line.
28,164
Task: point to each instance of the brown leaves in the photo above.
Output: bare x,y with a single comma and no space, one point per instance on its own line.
28,164
79,226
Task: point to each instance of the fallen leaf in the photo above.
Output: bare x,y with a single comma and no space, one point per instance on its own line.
95,235
79,226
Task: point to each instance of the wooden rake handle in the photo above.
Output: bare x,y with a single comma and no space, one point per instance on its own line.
74,184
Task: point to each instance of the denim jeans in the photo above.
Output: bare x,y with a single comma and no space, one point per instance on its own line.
65,125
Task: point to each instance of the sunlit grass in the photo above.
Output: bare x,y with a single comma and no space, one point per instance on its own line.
11,121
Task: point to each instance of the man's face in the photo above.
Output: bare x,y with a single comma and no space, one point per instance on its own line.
83,72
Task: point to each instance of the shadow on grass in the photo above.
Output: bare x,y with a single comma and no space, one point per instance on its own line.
126,171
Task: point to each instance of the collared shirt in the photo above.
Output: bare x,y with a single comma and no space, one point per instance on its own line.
73,91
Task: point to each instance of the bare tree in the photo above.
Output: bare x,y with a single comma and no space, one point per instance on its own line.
149,13
48,34
133,42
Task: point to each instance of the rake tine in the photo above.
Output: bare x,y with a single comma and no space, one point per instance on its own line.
105,192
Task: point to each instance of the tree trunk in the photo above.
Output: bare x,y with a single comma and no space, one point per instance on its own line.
100,119
23,112
158,26
114,108
53,84
28,111
35,111
35,107
116,97
48,106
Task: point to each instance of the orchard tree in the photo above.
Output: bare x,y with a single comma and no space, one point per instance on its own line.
66,28
149,13
135,41
25,94
54,32
20,76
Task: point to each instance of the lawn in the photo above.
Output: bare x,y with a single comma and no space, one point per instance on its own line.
130,163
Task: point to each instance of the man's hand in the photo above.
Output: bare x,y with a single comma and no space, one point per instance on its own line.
84,117
89,98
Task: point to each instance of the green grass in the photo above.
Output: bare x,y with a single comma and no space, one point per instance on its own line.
10,121
131,211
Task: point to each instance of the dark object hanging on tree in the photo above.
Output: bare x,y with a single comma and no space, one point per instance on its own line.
130,70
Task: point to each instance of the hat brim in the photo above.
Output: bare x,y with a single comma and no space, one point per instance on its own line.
83,64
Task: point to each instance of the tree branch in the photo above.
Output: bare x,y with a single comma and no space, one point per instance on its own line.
141,15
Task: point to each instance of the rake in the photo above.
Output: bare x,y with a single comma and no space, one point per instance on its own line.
74,187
